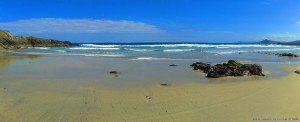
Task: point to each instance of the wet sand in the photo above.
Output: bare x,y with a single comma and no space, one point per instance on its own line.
63,100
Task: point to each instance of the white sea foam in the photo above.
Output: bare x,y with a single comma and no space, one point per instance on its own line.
71,54
170,45
62,51
104,55
178,50
229,52
41,48
188,45
92,48
274,50
155,58
209,45
260,50
139,50
98,45
252,45
149,58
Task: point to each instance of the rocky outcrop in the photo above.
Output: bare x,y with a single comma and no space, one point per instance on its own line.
231,68
39,42
287,54
8,41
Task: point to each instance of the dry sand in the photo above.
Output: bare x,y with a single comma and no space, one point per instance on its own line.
55,101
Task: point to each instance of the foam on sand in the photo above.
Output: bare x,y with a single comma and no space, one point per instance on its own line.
92,48
155,58
178,50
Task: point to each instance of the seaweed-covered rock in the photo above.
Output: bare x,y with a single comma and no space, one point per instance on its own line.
288,54
231,68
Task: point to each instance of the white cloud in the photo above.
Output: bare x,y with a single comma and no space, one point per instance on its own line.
54,25
282,36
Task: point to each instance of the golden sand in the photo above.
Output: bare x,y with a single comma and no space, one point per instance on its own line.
54,101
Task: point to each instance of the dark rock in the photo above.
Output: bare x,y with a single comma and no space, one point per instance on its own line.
287,54
231,68
148,97
164,84
39,42
113,72
297,71
173,65
214,75
268,53
233,63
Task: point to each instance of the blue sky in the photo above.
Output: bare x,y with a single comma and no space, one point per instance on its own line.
153,20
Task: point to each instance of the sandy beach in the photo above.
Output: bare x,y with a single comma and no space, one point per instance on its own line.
62,99
150,61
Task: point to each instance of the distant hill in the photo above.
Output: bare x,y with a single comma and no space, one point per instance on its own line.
291,43
266,41
8,41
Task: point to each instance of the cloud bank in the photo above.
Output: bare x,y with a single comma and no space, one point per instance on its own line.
54,25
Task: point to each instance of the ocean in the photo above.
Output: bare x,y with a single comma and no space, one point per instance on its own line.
139,64
172,51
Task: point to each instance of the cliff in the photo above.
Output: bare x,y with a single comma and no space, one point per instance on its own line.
8,41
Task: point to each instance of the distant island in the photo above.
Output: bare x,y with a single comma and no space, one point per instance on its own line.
267,41
8,41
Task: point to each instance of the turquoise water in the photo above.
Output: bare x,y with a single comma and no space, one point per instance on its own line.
197,52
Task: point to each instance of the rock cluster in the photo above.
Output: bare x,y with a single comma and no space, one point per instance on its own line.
231,68
287,54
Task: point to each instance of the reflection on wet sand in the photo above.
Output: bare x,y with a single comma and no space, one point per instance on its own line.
5,61
7,58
